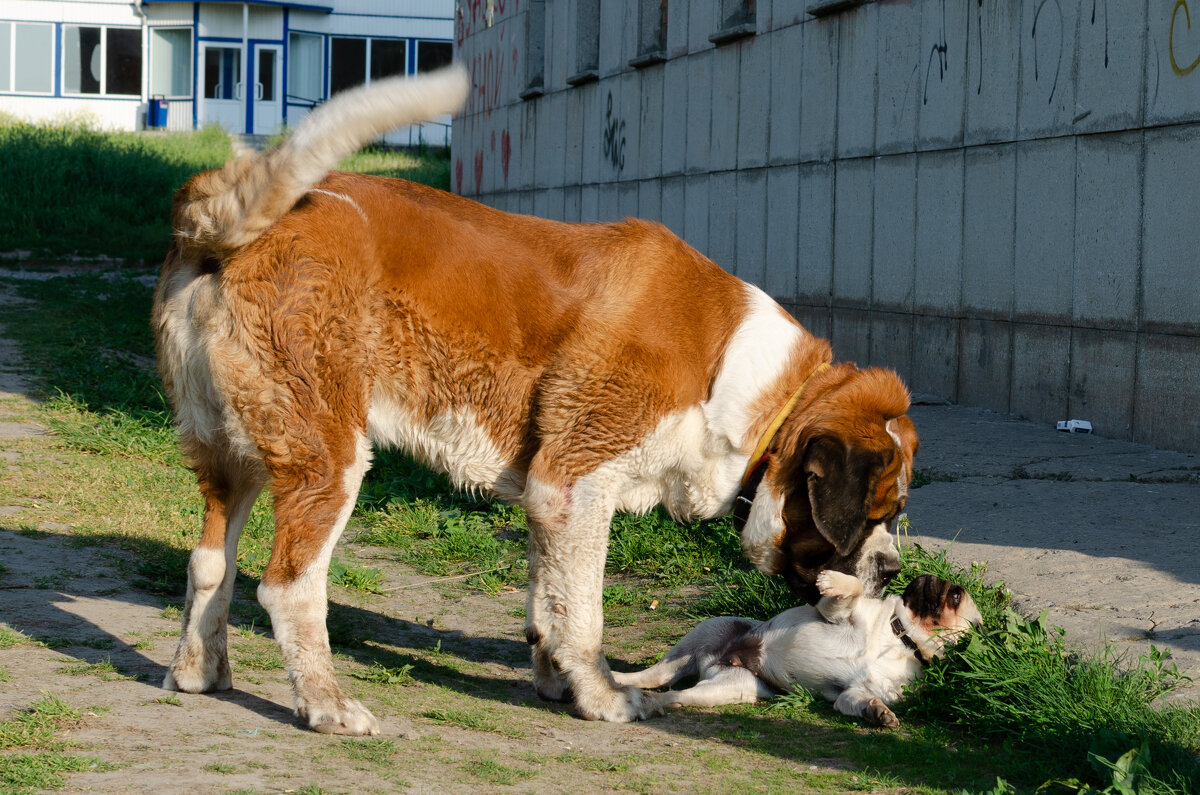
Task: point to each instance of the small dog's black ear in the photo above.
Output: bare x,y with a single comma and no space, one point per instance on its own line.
926,595
841,485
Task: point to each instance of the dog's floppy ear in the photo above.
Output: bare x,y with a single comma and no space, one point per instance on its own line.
841,485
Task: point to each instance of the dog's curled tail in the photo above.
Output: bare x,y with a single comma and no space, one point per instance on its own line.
220,211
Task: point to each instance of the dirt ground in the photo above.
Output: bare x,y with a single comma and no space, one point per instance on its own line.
1101,533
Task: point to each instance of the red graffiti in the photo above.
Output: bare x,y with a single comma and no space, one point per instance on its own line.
505,153
458,176
488,80
478,171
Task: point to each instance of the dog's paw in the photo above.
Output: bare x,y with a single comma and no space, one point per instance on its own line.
197,678
835,585
621,705
878,713
549,683
344,716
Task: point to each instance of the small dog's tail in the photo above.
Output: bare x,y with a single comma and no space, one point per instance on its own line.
220,211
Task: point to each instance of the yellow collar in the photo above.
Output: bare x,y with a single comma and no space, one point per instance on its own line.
764,441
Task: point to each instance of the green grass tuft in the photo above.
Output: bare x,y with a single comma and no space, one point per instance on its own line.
354,577
380,674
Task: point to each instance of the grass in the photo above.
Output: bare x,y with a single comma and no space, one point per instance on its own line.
10,637
473,720
104,669
356,578
32,757
116,187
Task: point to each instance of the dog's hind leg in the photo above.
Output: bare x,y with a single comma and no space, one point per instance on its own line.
698,649
312,506
729,685
201,662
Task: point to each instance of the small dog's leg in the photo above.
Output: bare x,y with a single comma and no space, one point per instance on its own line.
697,648
201,661
568,543
860,703
729,685
839,595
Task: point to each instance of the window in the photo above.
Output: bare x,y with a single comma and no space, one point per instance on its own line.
356,61
388,57
26,58
436,54
102,60
266,75
652,33
171,62
347,63
738,20
6,56
222,72
535,50
587,42
306,55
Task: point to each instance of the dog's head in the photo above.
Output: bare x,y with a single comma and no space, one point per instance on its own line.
836,483
941,608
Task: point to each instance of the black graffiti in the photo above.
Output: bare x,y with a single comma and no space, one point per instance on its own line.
940,51
1033,33
979,33
614,149
1094,2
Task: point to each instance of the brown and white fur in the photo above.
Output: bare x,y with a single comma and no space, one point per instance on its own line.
576,369
844,648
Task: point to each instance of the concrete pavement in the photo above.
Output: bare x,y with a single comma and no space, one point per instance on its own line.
1104,534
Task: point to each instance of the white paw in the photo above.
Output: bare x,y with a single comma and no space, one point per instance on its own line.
549,683
837,585
346,716
198,679
621,705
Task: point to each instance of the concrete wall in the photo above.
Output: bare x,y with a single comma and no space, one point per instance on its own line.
1000,200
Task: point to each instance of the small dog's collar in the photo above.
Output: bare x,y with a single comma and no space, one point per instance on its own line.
900,632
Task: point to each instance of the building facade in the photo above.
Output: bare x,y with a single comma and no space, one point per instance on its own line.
997,199
252,67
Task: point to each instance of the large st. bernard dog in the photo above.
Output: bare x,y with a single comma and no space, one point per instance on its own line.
576,369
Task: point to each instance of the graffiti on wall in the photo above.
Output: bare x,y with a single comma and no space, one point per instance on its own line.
1057,13
939,53
614,137
1187,18
493,59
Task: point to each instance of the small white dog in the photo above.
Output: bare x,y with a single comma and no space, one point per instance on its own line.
856,651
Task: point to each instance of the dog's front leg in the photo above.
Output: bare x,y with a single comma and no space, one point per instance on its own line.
839,595
859,702
568,541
